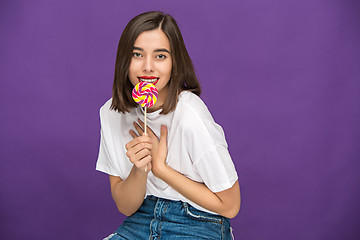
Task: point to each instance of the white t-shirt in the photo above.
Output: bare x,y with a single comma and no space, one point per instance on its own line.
196,146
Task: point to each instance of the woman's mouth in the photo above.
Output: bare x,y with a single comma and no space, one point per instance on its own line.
152,80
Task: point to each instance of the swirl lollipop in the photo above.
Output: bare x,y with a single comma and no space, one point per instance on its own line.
145,94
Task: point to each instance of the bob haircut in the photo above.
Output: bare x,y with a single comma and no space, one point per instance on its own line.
183,75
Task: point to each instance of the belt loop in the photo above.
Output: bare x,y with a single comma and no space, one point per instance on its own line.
185,206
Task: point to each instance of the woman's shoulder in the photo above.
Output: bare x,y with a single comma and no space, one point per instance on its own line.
192,113
106,112
106,105
187,96
193,105
194,118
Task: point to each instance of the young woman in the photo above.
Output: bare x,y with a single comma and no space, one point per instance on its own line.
178,181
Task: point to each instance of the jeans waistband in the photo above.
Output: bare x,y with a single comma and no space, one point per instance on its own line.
171,218
151,197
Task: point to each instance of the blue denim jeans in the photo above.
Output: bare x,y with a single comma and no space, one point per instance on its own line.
159,218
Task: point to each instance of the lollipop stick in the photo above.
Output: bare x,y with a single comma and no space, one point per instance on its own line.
145,134
145,120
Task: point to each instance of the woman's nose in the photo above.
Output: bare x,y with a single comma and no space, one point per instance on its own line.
148,65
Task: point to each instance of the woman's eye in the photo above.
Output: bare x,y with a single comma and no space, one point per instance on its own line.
161,56
136,54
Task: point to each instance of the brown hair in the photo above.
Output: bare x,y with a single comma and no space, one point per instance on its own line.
183,76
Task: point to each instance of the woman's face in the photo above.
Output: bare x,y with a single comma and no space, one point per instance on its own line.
151,62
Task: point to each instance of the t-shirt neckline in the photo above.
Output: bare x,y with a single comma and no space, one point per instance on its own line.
150,115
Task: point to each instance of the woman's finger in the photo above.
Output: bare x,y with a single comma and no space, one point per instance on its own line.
137,154
143,162
138,129
149,130
144,145
163,135
148,167
136,141
141,154
133,134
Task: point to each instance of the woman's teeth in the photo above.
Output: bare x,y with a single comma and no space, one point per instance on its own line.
148,80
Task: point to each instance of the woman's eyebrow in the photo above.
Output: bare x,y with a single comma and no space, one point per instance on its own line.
162,50
156,50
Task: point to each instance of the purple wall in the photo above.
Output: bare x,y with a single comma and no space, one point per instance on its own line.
282,78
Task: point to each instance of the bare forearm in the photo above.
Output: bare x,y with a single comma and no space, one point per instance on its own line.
129,194
196,192
225,203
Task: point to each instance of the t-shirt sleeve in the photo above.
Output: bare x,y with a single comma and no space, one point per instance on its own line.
217,169
105,162
209,151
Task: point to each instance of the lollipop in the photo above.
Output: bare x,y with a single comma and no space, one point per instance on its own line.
145,94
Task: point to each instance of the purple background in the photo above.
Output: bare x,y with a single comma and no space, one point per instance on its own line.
282,78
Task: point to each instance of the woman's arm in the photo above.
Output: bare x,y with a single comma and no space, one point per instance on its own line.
129,194
225,203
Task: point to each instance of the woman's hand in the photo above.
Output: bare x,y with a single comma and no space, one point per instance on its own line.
159,147
139,152
226,203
